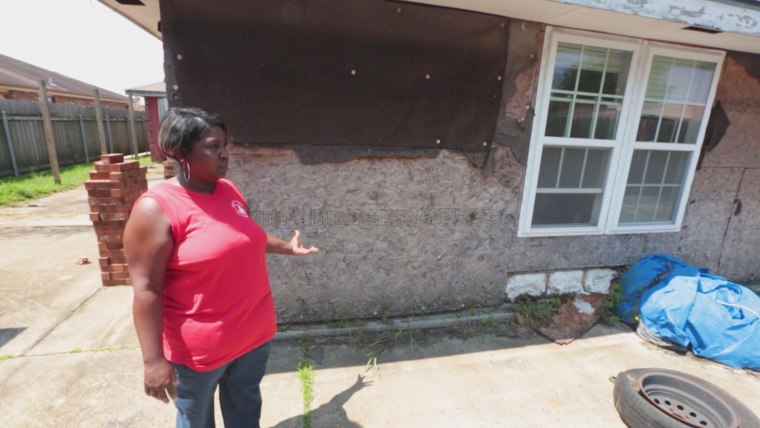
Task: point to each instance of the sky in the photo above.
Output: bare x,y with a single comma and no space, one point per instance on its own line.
82,39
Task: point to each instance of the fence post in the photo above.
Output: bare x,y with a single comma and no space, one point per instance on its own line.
132,132
110,138
10,144
47,125
99,119
84,139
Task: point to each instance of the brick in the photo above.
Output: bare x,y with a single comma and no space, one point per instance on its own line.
115,193
108,185
130,165
105,276
99,175
103,261
113,216
94,217
112,158
107,168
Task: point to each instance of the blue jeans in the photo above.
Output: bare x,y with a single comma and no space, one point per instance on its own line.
239,394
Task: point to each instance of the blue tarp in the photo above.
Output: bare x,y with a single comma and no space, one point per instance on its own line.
685,305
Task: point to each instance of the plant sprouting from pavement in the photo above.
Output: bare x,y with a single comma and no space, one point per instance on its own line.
535,311
306,376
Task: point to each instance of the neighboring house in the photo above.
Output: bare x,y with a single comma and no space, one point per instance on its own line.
442,156
155,107
21,81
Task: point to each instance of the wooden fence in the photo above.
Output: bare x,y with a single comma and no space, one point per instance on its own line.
22,138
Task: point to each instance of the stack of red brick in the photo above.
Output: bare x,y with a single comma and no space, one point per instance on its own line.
112,189
169,166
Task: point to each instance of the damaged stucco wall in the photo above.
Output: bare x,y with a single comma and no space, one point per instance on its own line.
401,235
723,216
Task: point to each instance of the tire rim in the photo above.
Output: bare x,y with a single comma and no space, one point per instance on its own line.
686,401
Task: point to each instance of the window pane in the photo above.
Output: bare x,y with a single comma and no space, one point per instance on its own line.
572,164
596,169
636,173
655,168
679,79
553,209
701,82
566,66
650,119
647,204
607,120
582,117
657,87
581,75
666,209
629,204
616,76
690,124
657,198
680,88
556,123
677,165
550,164
671,115
592,68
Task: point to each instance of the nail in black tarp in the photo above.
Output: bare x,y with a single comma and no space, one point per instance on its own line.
366,73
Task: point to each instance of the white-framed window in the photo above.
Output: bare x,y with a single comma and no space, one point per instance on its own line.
618,129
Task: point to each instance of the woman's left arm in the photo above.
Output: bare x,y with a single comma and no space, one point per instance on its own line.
294,247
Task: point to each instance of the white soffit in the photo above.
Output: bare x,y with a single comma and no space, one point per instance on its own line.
145,15
607,21
564,14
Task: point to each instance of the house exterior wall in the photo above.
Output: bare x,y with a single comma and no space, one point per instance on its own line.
414,235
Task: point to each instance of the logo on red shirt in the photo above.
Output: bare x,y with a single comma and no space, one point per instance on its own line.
239,208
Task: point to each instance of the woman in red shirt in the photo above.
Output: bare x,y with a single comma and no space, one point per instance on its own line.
203,308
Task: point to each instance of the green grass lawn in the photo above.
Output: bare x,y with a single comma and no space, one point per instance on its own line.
37,184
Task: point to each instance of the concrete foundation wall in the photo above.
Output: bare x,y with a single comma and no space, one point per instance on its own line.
405,235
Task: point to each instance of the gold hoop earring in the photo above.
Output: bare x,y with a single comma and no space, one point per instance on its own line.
184,168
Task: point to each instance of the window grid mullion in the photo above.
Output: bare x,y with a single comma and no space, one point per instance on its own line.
685,101
662,186
561,164
595,113
641,187
583,169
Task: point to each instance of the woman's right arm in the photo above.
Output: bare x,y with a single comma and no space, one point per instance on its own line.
148,245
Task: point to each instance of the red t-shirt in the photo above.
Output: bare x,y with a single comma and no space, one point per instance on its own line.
217,301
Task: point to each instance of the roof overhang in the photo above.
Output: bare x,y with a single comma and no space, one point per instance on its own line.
722,24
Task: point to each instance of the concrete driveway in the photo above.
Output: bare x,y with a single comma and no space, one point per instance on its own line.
70,355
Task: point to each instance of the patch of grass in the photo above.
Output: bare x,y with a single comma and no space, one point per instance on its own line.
4,357
306,376
535,311
614,298
38,184
76,351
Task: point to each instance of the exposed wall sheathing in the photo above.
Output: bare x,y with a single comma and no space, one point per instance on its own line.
408,235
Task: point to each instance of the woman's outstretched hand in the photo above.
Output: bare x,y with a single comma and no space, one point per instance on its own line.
298,248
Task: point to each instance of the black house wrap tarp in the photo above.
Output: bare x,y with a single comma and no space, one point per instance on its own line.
338,72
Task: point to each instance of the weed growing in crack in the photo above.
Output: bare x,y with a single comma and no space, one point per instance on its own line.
306,376
533,312
614,298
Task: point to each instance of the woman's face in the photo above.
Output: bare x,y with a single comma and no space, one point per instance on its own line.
208,158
